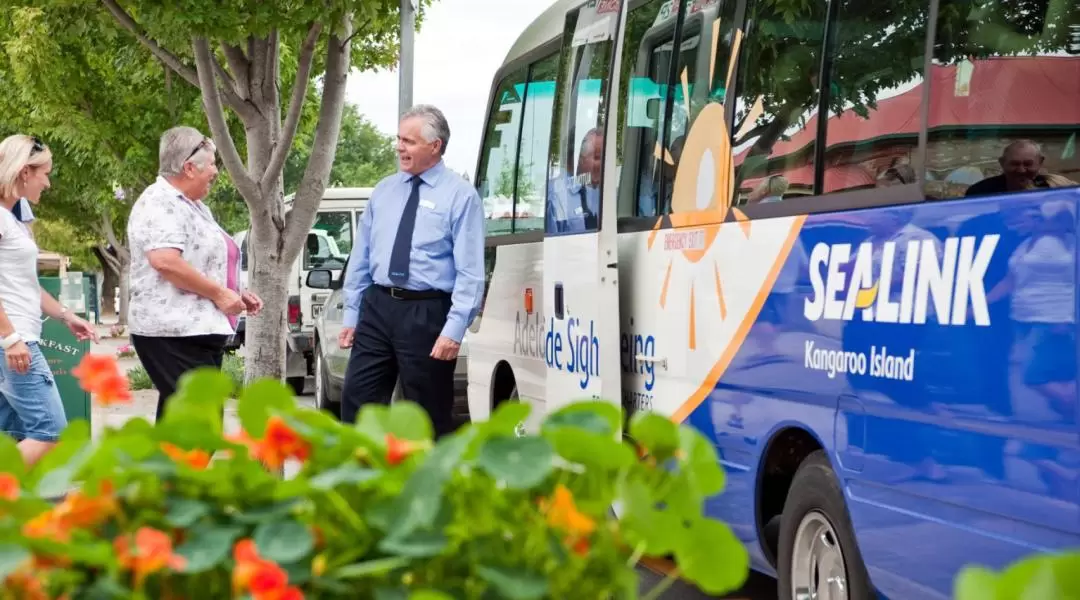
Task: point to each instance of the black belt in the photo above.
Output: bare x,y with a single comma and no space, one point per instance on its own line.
404,294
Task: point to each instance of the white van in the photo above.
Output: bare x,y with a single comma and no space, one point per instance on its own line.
327,247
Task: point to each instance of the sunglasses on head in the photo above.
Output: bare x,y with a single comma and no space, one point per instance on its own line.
38,146
201,145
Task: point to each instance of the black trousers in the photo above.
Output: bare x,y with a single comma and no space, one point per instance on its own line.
395,337
166,359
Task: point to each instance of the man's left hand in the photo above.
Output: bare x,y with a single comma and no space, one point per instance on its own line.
82,329
252,303
445,349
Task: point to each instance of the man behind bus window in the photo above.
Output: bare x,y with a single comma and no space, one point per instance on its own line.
415,277
574,201
1021,165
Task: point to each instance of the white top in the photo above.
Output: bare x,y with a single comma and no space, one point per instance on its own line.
20,292
163,218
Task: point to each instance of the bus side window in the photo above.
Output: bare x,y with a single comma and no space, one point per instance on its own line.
532,166
776,95
1005,99
495,179
876,87
647,162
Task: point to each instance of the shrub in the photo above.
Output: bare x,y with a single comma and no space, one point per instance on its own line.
377,510
232,366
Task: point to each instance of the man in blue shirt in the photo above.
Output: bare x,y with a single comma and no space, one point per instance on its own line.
415,278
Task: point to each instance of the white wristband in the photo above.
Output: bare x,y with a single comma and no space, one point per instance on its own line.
10,341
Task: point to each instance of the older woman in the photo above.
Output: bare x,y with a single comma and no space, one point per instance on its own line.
30,407
185,292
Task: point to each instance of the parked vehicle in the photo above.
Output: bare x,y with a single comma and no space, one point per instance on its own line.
327,247
331,360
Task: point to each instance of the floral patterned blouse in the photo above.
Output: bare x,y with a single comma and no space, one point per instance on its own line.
164,218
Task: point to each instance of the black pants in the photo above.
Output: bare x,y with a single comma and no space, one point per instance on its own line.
166,359
395,337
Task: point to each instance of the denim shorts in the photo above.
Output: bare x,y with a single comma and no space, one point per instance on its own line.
30,404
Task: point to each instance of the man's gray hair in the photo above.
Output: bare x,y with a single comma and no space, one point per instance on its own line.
177,147
435,126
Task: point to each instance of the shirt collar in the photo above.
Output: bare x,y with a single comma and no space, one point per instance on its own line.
171,188
431,176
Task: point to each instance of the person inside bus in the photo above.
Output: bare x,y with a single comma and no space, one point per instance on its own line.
648,205
1021,169
574,201
771,189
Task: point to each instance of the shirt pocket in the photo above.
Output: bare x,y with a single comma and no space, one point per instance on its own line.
432,226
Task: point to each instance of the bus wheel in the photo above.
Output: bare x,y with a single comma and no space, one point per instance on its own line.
819,557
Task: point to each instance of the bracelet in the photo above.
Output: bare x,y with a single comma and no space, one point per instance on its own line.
10,341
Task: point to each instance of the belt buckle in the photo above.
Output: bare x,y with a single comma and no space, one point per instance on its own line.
394,293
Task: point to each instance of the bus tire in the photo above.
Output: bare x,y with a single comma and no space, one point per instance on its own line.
814,511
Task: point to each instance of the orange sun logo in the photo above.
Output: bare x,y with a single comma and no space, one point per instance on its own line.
703,191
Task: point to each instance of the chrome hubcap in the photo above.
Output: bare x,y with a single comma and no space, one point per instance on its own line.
817,561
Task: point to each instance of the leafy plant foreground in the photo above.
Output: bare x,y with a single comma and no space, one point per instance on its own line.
377,510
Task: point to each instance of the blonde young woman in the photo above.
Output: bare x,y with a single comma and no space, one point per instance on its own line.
30,407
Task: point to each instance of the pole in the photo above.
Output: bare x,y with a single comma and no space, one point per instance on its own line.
405,59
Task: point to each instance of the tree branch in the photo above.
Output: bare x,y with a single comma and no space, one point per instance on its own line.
324,146
239,65
215,115
296,107
110,234
273,64
170,59
110,261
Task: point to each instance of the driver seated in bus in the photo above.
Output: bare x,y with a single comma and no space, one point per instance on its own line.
574,200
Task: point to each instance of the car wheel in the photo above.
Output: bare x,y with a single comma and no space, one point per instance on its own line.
322,386
297,384
819,557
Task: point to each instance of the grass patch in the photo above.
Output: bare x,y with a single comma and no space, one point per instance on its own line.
233,366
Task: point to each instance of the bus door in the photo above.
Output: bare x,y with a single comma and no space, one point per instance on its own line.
581,294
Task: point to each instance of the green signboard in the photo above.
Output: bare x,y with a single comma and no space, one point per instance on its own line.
64,351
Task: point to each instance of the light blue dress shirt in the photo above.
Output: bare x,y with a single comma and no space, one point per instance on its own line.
447,245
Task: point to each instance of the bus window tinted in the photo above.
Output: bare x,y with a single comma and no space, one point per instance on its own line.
773,137
1004,98
535,143
875,97
646,64
573,193
495,181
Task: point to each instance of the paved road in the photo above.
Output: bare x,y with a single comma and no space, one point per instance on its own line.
758,587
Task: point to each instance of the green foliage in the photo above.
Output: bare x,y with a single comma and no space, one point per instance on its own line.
232,367
76,243
378,509
1037,576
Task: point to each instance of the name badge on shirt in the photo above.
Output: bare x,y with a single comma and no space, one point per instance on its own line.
428,204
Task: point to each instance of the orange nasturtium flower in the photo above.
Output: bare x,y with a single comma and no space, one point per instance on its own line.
264,579
397,449
9,487
562,514
280,443
99,374
152,552
77,511
26,584
196,459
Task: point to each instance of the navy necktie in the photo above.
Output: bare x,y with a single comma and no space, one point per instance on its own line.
399,258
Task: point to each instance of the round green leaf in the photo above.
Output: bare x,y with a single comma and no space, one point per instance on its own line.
379,566
711,557
259,400
522,463
659,435
183,512
601,451
418,545
207,547
408,421
283,541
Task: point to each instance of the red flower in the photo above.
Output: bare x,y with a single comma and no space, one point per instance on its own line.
100,375
397,449
9,487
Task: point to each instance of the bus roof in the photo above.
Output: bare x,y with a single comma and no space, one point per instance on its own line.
543,29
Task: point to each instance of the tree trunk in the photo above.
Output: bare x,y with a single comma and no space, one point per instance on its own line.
109,283
125,290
